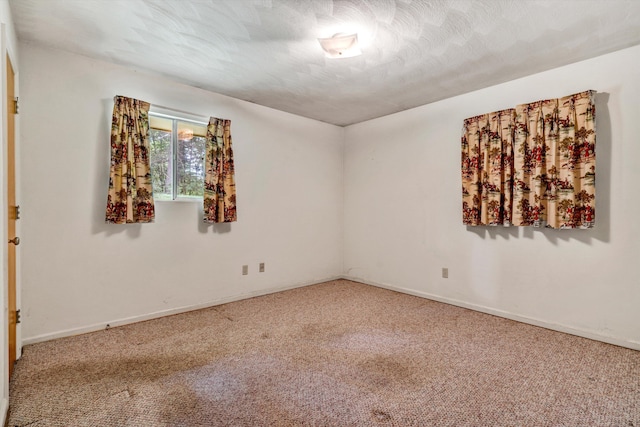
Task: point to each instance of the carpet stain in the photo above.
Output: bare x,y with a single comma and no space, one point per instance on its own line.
379,415
384,371
321,332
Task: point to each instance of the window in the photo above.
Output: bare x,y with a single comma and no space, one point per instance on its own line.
177,157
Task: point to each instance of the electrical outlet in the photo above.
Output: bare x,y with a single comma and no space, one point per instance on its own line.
245,270
445,273
262,267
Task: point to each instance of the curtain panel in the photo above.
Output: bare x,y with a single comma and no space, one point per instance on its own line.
130,197
531,166
487,172
555,162
219,181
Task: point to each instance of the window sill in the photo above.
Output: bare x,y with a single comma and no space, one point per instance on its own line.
180,200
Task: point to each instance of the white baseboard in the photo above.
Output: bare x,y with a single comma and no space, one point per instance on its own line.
120,322
634,345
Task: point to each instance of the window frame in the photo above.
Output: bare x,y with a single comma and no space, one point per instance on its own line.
175,197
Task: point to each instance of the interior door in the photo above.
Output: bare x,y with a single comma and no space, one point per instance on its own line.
12,215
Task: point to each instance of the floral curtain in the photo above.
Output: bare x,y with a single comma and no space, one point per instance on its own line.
130,198
531,166
487,153
555,162
219,181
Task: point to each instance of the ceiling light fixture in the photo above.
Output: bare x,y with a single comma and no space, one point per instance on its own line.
341,46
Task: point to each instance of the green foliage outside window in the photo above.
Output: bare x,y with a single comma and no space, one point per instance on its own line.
176,157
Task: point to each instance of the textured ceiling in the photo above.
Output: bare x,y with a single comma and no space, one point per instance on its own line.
266,51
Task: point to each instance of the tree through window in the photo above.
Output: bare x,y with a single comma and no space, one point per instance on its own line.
177,157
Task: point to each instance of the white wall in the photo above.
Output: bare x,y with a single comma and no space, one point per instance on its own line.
403,221
79,273
401,216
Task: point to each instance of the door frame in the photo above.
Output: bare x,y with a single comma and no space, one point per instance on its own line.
12,221
8,56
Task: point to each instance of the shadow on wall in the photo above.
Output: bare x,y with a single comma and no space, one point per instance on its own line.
602,229
494,232
204,227
101,174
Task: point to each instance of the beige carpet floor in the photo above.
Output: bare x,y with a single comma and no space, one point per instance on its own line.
335,354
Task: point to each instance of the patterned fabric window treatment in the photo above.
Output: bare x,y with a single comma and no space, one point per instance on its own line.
546,176
130,198
219,180
487,153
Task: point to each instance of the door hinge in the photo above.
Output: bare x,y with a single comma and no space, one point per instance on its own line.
16,105
17,212
17,316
